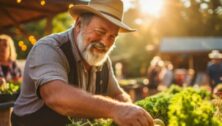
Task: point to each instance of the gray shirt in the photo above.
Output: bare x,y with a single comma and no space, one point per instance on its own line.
47,62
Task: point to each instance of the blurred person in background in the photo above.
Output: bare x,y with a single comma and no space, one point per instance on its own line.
214,68
180,76
9,70
166,74
153,73
190,77
70,73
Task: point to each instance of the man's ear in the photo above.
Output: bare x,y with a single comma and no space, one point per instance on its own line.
78,24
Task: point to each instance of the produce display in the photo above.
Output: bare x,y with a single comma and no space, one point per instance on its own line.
218,104
96,122
9,88
105,122
176,107
9,92
182,107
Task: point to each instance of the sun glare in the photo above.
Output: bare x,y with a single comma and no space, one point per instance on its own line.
152,7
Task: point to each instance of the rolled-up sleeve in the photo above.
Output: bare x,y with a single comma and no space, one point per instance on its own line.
47,63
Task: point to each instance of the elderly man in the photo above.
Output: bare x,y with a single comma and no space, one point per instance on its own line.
214,68
70,74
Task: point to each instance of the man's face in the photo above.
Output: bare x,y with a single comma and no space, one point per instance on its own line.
96,40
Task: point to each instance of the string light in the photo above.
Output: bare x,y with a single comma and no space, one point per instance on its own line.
71,5
42,2
20,43
32,39
18,1
24,48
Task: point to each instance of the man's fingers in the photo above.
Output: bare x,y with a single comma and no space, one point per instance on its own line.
145,118
132,115
149,118
143,121
137,123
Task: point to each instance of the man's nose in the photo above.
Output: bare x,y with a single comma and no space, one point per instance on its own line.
106,41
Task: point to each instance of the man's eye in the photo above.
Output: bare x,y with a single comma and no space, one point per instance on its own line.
100,32
112,38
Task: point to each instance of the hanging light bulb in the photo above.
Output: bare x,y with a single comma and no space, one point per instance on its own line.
18,1
24,48
32,39
71,5
42,2
20,43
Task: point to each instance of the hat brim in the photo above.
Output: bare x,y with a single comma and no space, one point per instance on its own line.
213,56
76,10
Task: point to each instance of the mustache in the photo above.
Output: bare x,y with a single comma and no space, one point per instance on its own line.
100,46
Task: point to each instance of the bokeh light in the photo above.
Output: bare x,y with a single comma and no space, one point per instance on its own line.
152,7
42,2
18,1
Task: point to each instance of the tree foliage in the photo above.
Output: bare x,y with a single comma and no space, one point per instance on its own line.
185,18
135,50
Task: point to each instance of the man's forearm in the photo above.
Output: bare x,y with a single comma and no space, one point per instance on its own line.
75,102
71,101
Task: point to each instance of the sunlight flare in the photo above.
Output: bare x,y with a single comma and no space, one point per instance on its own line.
152,7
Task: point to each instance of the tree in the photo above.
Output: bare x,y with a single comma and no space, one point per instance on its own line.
178,18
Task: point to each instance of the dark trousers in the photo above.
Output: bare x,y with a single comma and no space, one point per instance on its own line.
43,117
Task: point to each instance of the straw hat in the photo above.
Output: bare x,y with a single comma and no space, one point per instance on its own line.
215,54
112,10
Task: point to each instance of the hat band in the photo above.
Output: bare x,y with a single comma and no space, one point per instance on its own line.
110,15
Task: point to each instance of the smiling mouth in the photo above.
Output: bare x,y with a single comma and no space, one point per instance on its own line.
99,46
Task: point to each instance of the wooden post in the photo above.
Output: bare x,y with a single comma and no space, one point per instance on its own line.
191,63
48,28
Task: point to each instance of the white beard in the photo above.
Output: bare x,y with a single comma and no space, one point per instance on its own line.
93,58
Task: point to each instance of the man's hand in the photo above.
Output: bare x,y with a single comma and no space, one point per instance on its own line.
70,101
131,115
